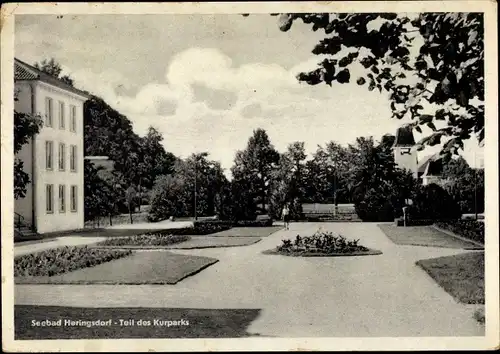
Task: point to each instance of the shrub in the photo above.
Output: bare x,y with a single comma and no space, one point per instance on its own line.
433,202
167,198
321,242
155,239
374,206
414,222
205,227
471,229
63,260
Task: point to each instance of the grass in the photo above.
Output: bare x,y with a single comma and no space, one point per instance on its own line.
423,236
194,242
202,323
140,268
61,260
144,240
248,231
462,276
215,242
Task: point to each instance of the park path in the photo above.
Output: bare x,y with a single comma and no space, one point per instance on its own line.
384,295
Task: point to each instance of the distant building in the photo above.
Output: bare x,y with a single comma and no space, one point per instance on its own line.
405,154
427,171
53,159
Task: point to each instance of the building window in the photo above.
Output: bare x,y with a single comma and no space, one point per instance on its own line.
74,197
72,161
62,198
48,111
49,152
49,198
62,123
72,118
62,157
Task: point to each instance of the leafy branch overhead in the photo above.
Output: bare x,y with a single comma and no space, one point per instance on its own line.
431,65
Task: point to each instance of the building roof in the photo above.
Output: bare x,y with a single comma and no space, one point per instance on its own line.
431,165
24,71
404,137
422,165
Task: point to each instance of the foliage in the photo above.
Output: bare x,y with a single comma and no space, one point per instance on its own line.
433,202
26,126
63,260
168,198
321,242
252,169
174,195
379,188
207,227
464,184
102,196
54,69
157,239
431,65
471,229
287,181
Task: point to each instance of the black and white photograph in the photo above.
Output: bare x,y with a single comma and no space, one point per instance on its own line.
254,176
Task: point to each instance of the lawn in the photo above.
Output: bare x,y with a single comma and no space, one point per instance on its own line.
248,231
462,276
198,323
155,267
423,236
214,242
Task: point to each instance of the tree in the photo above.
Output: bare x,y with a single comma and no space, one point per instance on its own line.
379,187
53,68
26,126
287,181
253,167
156,161
101,195
174,194
441,79
464,184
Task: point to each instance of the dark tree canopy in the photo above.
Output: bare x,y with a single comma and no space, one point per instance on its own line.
53,68
441,79
26,126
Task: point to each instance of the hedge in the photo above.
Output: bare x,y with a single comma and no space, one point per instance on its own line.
471,229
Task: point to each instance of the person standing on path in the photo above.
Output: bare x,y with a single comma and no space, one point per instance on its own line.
286,216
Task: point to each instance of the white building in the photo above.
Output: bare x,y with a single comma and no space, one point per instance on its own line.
405,154
53,159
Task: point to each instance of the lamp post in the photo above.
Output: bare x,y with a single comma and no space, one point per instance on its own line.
333,165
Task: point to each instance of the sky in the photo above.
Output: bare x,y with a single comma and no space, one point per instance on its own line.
207,81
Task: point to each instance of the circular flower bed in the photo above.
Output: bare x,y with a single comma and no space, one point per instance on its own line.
322,244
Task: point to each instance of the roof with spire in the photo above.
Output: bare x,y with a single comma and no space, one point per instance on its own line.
24,71
404,137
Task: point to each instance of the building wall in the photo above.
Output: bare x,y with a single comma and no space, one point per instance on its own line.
68,220
24,206
406,160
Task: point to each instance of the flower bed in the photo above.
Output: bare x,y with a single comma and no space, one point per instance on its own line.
155,239
63,260
471,229
322,244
